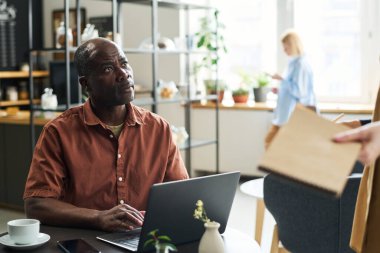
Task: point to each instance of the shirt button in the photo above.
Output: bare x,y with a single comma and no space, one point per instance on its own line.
120,179
121,201
118,155
111,136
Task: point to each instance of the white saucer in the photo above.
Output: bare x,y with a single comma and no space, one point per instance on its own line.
6,241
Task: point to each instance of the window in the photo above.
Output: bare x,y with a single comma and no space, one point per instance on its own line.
331,30
250,36
341,39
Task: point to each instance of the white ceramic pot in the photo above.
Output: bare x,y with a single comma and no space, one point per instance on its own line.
211,241
162,249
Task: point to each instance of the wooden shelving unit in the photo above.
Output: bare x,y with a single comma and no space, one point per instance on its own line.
153,100
20,75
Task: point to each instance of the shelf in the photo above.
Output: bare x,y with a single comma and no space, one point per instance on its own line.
23,118
200,98
18,102
150,101
173,4
53,49
175,99
127,50
196,143
60,108
163,51
23,74
141,102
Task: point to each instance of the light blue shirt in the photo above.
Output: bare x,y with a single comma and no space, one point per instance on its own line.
296,87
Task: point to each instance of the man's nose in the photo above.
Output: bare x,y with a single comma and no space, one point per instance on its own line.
122,74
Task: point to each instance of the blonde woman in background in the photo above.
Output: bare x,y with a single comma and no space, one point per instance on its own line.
296,85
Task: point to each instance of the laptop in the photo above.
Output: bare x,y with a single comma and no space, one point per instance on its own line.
171,207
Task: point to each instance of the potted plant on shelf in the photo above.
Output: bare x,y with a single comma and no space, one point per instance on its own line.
211,39
240,95
216,88
261,90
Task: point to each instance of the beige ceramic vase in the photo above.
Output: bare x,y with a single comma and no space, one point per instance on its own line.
211,241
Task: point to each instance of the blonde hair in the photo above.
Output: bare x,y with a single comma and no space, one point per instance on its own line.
291,38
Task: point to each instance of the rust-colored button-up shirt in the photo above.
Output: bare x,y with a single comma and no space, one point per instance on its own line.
78,160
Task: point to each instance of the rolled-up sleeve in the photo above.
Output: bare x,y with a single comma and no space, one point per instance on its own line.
47,174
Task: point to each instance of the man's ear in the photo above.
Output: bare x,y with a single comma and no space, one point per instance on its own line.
83,82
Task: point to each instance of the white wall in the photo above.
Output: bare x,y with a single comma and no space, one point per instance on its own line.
242,134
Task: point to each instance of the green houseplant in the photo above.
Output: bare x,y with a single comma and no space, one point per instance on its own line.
211,39
260,91
240,95
162,243
215,88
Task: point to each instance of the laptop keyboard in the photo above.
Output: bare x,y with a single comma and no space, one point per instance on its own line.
130,240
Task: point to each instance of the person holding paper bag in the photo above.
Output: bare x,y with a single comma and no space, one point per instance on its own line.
366,224
297,84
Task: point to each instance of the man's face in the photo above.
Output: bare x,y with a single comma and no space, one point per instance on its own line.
110,80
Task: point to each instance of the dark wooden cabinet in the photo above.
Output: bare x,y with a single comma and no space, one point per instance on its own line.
15,160
2,165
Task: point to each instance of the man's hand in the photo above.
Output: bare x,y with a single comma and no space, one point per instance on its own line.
120,218
58,213
369,136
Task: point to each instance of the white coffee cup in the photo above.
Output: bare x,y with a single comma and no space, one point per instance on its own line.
23,231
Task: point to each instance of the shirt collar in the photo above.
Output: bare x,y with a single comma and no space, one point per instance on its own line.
132,118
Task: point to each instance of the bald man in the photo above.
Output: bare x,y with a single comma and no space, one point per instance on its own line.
93,165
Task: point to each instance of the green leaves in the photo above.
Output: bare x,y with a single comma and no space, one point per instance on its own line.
263,80
211,39
159,241
164,237
153,233
240,92
201,41
149,242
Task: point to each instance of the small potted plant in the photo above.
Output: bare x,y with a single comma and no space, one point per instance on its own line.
213,88
160,242
240,95
261,90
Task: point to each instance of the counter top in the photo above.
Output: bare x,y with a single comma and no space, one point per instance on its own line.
269,106
23,118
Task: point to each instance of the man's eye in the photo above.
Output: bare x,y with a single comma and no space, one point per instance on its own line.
125,65
108,69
